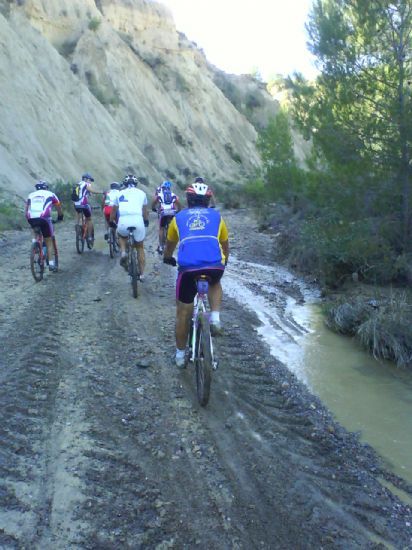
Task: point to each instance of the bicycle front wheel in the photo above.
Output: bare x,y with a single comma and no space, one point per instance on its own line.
133,272
79,239
36,262
203,361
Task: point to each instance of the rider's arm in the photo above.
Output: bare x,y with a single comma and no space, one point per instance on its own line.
223,236
172,239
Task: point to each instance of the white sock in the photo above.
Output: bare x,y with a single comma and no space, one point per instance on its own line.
180,352
215,317
51,263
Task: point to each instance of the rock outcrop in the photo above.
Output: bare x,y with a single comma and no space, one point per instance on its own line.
110,86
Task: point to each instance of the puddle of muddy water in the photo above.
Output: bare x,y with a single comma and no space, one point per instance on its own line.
366,396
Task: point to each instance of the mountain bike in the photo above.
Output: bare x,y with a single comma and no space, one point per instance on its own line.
38,255
200,342
82,235
132,261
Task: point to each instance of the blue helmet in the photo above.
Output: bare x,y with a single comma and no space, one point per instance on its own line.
87,176
166,185
41,185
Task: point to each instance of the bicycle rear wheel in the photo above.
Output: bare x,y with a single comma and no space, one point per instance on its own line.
112,243
79,239
90,240
134,272
203,361
36,262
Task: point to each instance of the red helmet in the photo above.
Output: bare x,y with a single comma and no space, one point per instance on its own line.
198,194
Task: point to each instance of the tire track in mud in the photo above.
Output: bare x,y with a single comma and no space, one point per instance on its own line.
103,444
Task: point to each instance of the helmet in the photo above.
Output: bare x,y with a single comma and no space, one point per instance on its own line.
115,185
166,185
130,180
41,185
87,176
199,180
198,194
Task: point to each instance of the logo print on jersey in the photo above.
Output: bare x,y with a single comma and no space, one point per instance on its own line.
197,222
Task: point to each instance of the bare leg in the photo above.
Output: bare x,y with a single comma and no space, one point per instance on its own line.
183,317
50,248
141,257
215,296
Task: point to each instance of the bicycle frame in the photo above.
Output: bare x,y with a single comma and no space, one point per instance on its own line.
200,308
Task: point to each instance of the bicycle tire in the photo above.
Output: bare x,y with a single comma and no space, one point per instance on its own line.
112,243
90,241
203,361
36,262
79,239
134,274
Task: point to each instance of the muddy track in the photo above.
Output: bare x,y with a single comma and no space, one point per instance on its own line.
103,445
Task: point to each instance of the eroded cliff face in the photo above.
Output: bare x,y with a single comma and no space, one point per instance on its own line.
110,86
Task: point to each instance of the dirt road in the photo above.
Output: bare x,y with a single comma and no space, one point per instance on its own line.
103,444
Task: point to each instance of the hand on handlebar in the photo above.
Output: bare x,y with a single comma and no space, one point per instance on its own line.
170,261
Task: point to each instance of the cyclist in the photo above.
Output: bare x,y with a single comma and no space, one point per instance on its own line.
166,204
107,203
203,249
130,205
38,213
81,205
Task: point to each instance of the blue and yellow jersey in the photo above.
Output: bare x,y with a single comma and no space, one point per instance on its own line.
200,232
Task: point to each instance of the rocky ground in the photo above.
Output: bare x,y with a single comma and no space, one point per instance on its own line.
103,444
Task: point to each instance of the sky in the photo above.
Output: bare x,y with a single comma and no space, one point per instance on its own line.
242,36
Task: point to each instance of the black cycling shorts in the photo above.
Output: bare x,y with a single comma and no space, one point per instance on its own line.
46,226
186,282
164,220
87,211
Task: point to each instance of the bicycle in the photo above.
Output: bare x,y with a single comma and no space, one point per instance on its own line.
132,262
38,255
82,235
200,342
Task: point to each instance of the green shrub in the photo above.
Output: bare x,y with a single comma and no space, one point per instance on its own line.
63,191
11,216
94,23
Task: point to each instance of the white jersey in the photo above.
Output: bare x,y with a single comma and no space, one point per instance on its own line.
39,204
130,202
110,197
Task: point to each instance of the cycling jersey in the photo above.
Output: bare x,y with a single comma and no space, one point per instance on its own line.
109,197
130,202
39,204
166,202
200,232
84,194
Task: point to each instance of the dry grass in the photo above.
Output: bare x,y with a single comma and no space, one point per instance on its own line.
383,325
